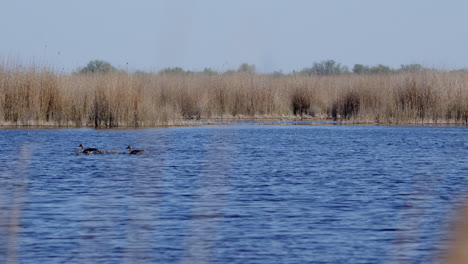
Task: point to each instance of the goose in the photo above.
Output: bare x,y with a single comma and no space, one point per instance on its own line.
135,152
88,149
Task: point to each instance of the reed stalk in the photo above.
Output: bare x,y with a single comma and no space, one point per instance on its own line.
36,96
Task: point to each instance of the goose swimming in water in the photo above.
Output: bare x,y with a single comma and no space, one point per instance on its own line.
134,151
88,150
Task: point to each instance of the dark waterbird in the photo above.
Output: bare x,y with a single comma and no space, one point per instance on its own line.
88,150
134,151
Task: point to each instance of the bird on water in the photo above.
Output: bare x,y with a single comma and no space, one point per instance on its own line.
88,150
134,151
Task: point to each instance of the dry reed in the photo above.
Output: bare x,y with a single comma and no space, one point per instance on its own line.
36,96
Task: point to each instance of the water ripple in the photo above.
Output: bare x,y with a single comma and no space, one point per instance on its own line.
231,194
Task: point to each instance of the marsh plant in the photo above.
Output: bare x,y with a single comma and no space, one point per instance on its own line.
38,96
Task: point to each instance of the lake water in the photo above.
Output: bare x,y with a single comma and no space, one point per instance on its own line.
244,193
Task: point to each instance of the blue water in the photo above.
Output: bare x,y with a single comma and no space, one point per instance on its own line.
231,194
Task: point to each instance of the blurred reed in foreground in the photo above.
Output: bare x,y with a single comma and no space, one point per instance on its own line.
36,96
457,251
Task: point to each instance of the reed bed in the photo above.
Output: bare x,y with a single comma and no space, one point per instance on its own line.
39,97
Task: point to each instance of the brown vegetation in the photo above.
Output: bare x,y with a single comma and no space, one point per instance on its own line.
36,96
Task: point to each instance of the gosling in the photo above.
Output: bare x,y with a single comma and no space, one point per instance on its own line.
134,151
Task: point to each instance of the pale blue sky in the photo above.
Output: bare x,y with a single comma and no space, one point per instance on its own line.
221,34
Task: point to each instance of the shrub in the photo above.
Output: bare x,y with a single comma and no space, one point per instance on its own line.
300,102
328,67
246,68
98,66
346,106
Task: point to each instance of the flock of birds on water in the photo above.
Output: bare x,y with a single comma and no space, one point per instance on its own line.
91,151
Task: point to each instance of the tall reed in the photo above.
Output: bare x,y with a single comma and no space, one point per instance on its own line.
37,96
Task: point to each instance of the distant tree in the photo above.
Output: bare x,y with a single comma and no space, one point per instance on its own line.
380,69
360,69
462,70
246,68
174,70
411,68
209,71
305,71
328,67
229,72
140,72
278,73
97,66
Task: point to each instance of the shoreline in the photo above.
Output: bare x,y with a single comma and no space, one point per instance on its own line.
237,121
